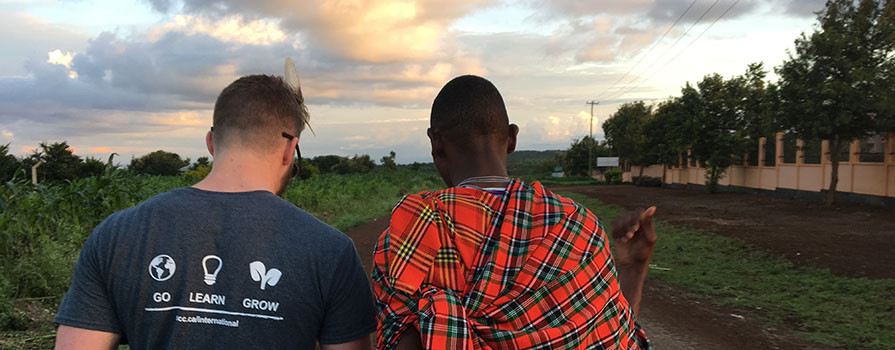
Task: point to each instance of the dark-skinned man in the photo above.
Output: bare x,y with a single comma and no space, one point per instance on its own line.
494,262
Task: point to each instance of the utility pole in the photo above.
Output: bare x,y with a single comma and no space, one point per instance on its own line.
590,151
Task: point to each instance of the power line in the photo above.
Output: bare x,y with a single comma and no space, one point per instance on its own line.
616,95
648,51
685,48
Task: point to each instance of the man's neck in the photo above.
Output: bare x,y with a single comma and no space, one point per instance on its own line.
239,174
480,165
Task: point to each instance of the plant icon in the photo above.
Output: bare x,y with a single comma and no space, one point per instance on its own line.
260,274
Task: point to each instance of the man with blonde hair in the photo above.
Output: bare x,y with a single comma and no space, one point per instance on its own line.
226,263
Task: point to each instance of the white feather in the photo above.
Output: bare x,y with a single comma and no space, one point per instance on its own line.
292,75
292,79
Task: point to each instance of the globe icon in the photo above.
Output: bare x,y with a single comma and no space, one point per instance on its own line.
162,267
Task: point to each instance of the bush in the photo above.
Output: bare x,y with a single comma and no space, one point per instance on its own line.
197,174
308,170
388,162
647,181
92,167
613,176
159,163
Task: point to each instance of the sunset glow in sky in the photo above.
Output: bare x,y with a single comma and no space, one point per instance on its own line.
132,76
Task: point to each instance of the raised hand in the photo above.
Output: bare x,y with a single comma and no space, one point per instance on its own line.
635,236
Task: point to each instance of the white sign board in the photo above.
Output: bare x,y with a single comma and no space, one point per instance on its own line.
610,162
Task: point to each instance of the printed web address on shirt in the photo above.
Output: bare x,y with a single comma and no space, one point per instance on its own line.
207,320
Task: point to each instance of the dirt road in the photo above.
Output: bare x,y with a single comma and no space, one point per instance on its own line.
850,240
672,321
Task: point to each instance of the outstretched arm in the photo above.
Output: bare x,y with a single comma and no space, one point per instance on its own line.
635,238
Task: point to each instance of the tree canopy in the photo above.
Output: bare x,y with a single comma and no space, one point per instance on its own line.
624,132
837,85
159,163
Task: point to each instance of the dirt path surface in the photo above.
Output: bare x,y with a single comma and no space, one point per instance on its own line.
850,240
672,322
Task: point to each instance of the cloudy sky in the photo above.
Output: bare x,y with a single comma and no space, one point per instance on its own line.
132,76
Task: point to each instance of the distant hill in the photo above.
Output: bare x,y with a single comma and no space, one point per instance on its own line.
525,155
522,163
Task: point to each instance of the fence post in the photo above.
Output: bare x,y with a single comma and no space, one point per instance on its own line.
34,171
779,149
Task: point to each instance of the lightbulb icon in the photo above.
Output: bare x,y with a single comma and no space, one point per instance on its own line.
209,264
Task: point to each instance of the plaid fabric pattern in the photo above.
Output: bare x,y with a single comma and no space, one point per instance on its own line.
531,270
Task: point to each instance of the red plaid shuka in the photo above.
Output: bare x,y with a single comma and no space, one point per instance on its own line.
471,270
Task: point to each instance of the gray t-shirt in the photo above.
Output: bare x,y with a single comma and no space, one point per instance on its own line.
198,269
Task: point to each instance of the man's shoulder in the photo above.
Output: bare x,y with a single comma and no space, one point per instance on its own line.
186,201
159,200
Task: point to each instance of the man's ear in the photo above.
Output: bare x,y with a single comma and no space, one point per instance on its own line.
209,142
436,141
511,138
289,152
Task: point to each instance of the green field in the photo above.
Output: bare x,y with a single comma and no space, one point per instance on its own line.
42,228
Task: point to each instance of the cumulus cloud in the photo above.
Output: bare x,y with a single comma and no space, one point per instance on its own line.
27,36
361,30
184,65
57,57
7,135
124,93
370,69
557,129
232,28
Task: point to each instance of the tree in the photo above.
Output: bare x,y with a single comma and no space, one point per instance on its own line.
837,85
388,162
327,163
669,132
308,170
201,161
9,165
624,133
92,167
60,162
356,164
758,104
718,124
159,163
575,159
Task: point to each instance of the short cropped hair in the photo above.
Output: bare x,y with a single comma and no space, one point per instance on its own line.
469,105
255,110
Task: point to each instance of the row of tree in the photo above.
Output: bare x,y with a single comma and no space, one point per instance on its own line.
60,163
838,85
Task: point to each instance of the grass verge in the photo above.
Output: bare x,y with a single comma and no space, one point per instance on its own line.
853,313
